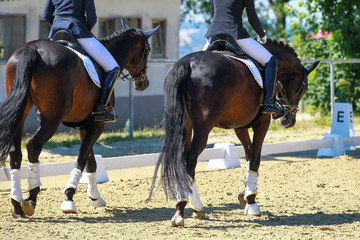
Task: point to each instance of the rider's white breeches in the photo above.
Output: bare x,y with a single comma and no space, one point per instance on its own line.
252,48
97,51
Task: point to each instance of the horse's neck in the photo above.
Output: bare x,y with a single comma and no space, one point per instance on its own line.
119,51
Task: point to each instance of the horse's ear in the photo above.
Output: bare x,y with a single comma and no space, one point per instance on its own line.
312,67
150,32
123,24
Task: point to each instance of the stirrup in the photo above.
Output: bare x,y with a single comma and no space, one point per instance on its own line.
105,115
276,109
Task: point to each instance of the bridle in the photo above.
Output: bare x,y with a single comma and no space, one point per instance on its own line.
292,109
141,77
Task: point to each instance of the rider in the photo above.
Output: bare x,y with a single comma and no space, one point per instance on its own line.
70,15
227,18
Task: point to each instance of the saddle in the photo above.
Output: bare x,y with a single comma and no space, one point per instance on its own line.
225,43
65,38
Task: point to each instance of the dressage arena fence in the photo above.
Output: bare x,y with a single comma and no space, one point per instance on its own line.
222,156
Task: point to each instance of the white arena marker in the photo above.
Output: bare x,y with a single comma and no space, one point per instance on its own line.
343,121
230,160
336,150
101,174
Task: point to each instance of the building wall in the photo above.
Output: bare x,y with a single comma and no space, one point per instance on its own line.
148,105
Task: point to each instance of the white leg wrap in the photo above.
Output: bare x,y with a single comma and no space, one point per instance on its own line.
194,198
74,180
34,175
180,198
15,192
252,209
251,183
92,191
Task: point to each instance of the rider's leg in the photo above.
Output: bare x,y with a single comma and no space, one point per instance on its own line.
255,50
103,57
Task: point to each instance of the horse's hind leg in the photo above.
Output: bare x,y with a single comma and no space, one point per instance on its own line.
34,146
15,154
15,164
195,147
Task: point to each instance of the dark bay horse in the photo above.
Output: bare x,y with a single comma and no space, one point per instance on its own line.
53,78
204,90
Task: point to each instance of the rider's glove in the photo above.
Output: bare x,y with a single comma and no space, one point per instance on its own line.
262,40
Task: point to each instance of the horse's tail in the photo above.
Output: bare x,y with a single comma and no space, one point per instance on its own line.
12,109
174,177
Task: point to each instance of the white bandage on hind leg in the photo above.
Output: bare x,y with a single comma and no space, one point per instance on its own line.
194,198
251,183
34,175
15,192
74,180
180,198
92,191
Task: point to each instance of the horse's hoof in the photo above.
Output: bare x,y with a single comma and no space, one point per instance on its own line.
252,209
68,206
177,221
241,198
198,214
28,207
100,202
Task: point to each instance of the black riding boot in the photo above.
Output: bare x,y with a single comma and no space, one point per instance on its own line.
107,87
269,84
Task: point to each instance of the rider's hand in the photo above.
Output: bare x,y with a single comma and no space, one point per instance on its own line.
262,40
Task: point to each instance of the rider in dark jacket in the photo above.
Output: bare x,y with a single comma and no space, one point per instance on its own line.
70,15
227,18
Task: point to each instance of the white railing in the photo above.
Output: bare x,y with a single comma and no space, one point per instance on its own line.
64,168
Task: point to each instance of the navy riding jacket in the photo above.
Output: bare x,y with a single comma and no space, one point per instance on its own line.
227,18
70,15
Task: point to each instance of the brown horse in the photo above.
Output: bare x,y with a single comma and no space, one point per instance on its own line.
204,90
53,78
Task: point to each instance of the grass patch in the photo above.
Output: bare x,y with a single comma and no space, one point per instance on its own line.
68,139
71,138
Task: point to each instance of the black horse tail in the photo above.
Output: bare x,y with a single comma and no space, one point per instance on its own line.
12,109
174,176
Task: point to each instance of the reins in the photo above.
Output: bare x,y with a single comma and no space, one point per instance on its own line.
291,108
143,74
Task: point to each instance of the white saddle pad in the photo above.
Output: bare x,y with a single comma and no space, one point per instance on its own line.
253,69
89,66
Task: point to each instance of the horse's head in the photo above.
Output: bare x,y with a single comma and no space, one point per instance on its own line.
292,79
131,49
137,64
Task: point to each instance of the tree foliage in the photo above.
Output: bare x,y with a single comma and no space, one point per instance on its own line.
342,19
275,27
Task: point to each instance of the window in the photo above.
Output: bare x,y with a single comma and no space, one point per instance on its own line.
44,30
12,34
158,40
109,25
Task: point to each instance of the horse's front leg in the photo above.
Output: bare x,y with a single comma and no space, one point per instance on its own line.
95,200
86,157
253,152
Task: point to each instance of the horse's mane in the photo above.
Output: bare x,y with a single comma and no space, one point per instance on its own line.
116,35
281,44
